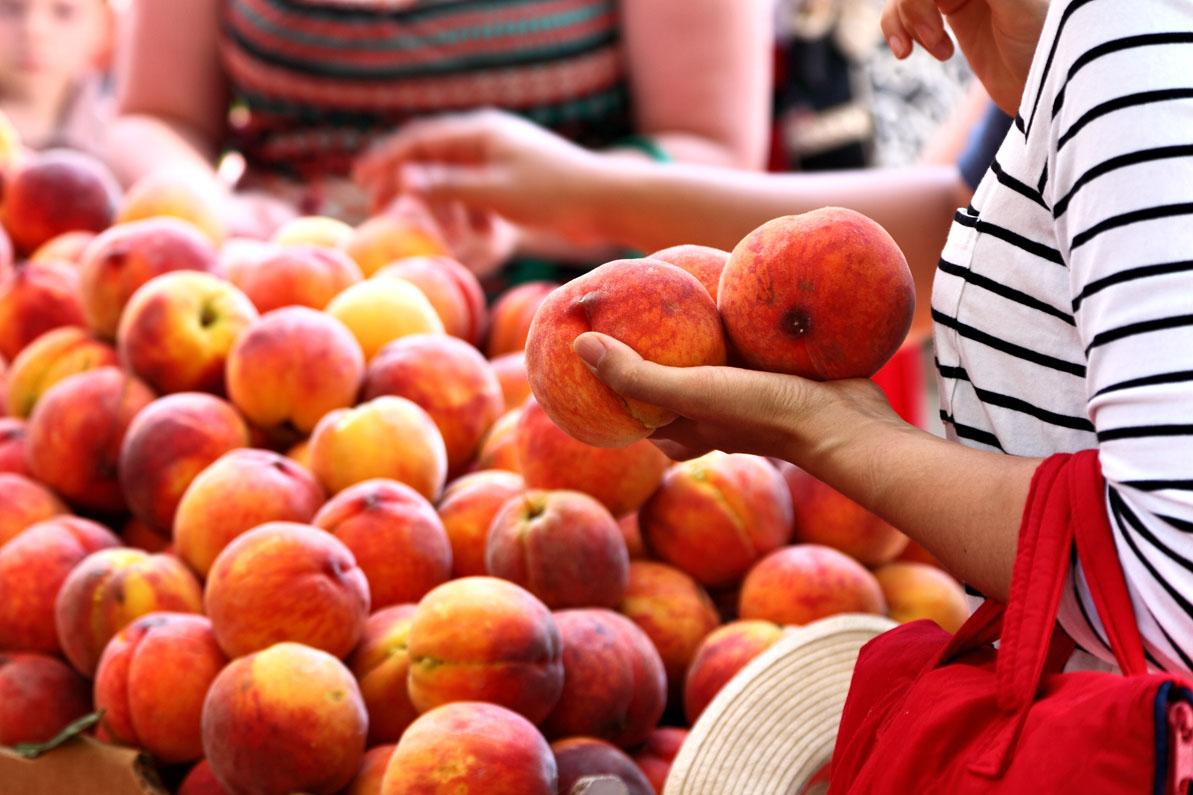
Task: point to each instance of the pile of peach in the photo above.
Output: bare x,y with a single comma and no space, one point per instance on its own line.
269,506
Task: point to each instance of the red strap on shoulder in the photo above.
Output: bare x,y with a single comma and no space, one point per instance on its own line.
1100,562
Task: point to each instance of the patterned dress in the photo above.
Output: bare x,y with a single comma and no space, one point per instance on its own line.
316,81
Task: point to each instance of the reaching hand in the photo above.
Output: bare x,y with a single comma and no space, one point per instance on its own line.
998,37
486,160
729,409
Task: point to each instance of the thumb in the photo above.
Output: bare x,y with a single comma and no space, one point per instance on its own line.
625,372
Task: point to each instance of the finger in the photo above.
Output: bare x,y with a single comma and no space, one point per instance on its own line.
456,138
923,20
479,188
897,38
677,451
631,376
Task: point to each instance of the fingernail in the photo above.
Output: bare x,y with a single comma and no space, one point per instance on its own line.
898,44
589,348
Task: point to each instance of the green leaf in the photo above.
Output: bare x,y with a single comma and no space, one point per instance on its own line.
33,750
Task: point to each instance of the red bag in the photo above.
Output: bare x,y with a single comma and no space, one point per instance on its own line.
927,712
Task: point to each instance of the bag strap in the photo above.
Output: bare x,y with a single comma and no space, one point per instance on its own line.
1099,561
1037,582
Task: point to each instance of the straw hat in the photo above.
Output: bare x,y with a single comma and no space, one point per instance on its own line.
772,727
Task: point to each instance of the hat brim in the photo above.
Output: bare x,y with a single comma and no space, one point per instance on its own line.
772,728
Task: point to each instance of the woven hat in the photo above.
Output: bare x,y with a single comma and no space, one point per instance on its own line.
771,729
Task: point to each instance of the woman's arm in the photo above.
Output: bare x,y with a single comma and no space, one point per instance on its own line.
172,97
700,77
498,162
963,505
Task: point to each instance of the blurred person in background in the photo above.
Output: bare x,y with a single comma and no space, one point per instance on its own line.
301,87
53,81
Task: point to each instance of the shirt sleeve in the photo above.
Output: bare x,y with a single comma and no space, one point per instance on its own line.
1117,104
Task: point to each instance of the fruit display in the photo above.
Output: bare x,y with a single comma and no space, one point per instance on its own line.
310,514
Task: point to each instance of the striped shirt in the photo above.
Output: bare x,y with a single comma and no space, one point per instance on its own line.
316,80
1063,302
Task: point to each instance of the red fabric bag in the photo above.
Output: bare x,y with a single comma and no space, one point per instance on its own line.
930,713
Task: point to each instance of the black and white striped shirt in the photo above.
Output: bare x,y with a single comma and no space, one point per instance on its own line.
1064,299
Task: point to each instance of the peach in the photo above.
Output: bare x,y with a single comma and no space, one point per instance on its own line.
384,238
825,294
383,310
654,757
914,553
285,581
313,230
200,780
300,453
12,446
177,329
167,444
151,681
10,143
50,358
510,369
76,431
56,191
802,583
240,255
395,535
175,193
471,748
126,256
614,685
299,275
135,533
918,590
238,491
703,262
24,501
621,478
674,612
579,757
449,379
387,437
562,546
511,315
467,509
657,309
721,654
452,289
286,719
515,662
33,566
110,588
66,247
499,448
6,253
631,532
371,772
39,696
715,515
35,298
270,377
381,664
825,516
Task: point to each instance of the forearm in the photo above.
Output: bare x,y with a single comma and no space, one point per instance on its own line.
138,144
962,505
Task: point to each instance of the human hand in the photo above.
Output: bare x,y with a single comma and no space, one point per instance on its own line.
254,214
998,37
735,410
486,160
